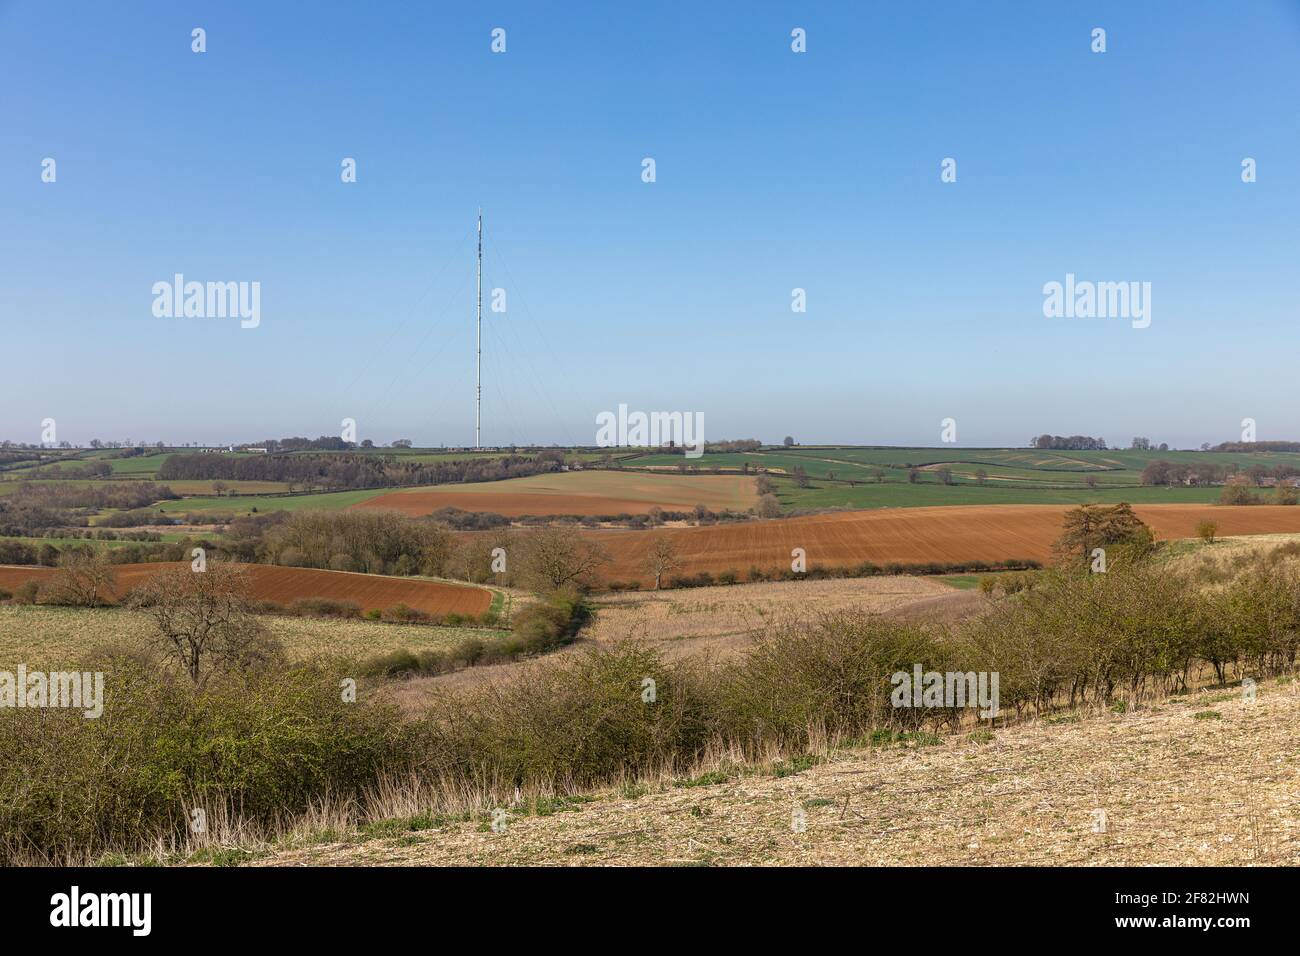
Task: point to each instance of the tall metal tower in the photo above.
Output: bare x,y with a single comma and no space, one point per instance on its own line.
478,350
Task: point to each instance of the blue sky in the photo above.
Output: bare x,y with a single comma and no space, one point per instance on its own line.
775,170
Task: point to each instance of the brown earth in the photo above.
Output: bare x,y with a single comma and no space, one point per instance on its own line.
576,493
956,533
285,585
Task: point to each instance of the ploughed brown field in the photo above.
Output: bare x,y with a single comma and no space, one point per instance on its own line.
576,493
908,535
286,585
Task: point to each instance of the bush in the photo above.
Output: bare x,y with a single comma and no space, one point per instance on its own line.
27,593
548,624
292,558
701,580
85,578
324,607
1086,635
468,652
271,744
832,674
1207,531
404,614
389,664
580,721
1237,492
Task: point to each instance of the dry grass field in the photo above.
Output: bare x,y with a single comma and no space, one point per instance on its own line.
689,620
1207,780
576,493
285,585
1227,555
908,535
58,637
716,622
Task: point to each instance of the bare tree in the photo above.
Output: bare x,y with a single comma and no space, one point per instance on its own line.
84,579
202,619
769,506
557,557
663,557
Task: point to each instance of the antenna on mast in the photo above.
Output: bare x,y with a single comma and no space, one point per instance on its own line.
478,349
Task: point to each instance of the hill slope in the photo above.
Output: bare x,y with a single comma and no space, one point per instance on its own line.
1176,789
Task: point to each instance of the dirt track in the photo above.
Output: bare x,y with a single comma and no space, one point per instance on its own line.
285,585
910,535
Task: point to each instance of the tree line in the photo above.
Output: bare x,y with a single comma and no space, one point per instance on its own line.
1071,443
350,472
1163,472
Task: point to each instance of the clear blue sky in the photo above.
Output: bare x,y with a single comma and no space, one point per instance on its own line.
775,171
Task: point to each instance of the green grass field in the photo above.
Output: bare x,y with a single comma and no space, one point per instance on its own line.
962,582
1010,475
143,466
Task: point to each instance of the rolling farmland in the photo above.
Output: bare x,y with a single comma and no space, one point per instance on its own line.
913,535
576,493
285,585
836,477
879,477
